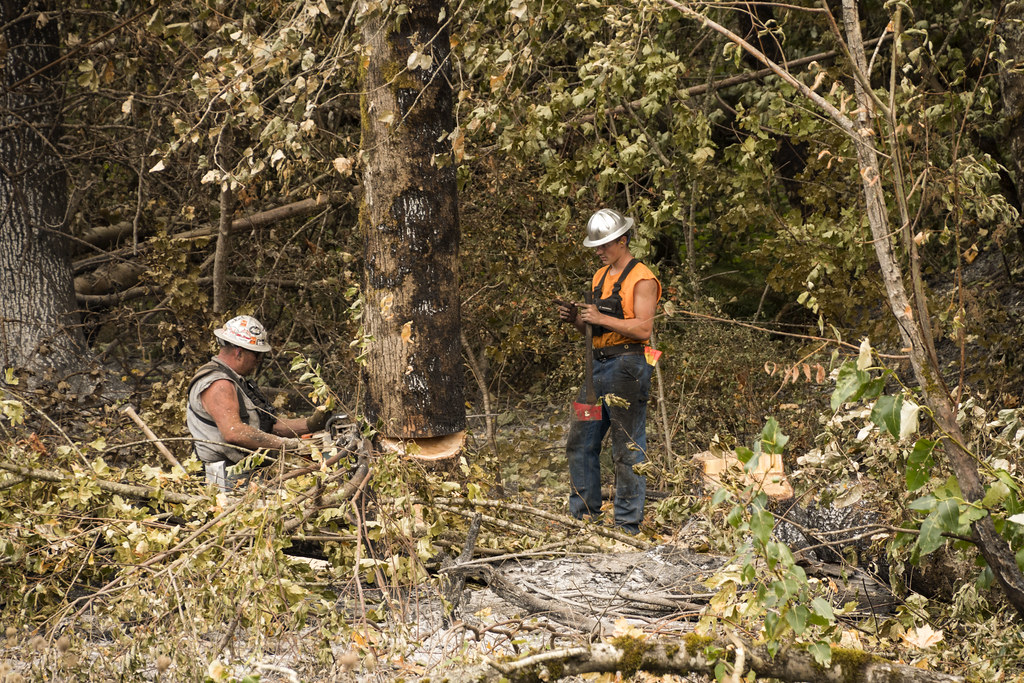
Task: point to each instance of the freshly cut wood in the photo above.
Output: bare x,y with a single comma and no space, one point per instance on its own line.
768,475
428,448
164,451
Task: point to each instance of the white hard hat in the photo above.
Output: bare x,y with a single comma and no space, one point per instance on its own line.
605,226
245,332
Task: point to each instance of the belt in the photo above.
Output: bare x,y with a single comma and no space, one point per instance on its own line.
617,350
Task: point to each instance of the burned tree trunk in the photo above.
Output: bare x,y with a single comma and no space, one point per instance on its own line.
38,322
410,224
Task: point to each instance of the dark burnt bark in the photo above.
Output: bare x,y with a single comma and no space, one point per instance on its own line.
409,220
38,321
1011,79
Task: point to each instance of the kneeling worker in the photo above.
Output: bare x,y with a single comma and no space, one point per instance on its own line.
227,413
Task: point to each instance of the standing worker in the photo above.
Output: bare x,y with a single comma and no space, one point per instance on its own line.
626,294
228,413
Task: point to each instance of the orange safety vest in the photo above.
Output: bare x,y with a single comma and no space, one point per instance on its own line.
626,283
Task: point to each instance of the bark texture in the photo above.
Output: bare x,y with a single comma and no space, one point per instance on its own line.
38,321
1011,78
409,220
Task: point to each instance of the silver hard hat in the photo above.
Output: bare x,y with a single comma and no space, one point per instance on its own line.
605,226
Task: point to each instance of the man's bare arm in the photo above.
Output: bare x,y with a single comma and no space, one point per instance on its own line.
220,400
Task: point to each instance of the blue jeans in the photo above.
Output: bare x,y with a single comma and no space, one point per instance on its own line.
629,377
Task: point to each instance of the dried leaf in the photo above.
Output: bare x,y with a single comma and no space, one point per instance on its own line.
343,165
922,637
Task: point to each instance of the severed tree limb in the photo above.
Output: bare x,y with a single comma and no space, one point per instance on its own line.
130,490
453,582
164,451
544,514
255,221
696,654
109,277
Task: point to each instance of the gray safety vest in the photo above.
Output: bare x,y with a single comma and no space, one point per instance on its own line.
253,410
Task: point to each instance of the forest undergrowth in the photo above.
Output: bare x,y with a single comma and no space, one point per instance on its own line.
118,565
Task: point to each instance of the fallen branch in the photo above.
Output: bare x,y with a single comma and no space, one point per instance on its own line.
164,451
130,490
222,253
544,514
695,654
253,222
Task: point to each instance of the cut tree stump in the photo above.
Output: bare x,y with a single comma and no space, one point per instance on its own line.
768,474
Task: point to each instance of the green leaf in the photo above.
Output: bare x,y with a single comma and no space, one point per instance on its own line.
995,495
886,414
822,607
930,538
948,512
762,523
849,384
772,438
735,517
985,578
919,465
822,653
797,618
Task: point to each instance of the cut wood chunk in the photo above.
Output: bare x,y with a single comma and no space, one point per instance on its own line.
768,475
427,448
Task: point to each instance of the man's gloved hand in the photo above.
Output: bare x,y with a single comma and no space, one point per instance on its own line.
318,419
567,311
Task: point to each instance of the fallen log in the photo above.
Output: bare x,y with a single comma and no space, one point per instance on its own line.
105,235
700,655
109,277
501,586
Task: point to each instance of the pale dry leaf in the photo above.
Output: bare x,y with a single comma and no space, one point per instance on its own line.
922,637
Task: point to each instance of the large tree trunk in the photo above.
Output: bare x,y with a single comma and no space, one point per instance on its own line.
410,223
1011,29
38,322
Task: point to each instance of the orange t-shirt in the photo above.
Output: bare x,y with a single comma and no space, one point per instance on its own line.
639,272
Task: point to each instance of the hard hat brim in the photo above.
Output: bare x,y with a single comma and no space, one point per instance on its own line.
608,238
